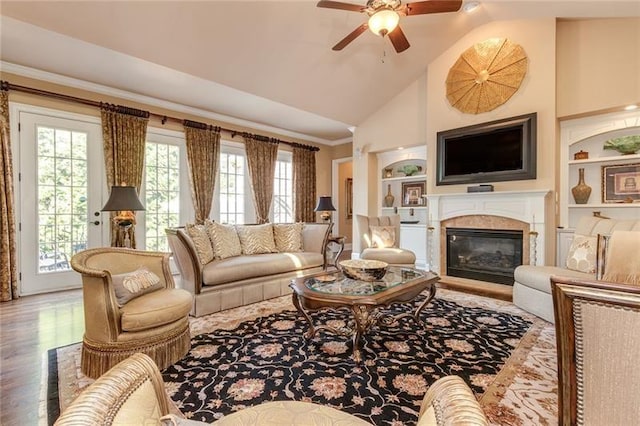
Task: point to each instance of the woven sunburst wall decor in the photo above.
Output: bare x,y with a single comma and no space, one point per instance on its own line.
486,75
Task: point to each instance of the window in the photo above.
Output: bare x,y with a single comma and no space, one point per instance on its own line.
234,194
165,189
282,210
232,187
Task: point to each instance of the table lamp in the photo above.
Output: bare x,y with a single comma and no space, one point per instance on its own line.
124,200
326,207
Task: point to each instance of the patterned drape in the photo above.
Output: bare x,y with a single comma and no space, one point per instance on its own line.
261,162
124,131
304,184
8,265
203,155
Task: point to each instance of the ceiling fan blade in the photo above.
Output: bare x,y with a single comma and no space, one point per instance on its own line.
433,6
339,5
398,39
352,36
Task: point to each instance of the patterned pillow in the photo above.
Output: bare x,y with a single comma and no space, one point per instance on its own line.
383,236
288,237
201,241
225,240
582,254
256,239
134,284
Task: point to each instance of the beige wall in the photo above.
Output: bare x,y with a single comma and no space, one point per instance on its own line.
536,94
345,171
597,68
323,157
598,65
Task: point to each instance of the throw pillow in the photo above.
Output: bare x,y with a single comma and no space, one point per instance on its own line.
288,237
225,240
383,236
582,254
134,284
256,239
201,241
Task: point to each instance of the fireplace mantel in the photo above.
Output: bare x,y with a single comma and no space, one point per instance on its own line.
526,206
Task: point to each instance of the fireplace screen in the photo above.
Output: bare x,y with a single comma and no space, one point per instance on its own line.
483,254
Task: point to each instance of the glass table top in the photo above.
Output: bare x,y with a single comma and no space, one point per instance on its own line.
337,283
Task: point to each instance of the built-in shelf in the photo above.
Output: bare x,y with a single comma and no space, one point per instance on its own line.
404,178
604,206
606,159
405,208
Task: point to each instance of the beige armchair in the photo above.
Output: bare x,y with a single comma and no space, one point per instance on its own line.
597,338
152,318
380,240
132,393
596,333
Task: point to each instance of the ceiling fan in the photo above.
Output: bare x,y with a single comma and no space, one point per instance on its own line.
384,16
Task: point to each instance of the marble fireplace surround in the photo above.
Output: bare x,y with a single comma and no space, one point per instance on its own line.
513,210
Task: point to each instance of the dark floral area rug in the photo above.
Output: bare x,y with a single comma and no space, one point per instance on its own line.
268,359
246,356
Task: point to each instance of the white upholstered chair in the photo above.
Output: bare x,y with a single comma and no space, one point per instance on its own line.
380,240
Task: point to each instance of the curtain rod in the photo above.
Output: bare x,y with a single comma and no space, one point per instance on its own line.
5,85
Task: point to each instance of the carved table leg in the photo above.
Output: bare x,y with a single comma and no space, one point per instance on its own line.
312,330
432,293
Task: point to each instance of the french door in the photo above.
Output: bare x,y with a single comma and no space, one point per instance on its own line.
61,193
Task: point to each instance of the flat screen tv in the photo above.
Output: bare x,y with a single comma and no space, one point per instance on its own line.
500,150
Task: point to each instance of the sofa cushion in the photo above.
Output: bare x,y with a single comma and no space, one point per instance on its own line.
383,236
539,277
623,260
582,254
225,240
391,255
256,239
155,309
201,242
288,237
134,284
258,265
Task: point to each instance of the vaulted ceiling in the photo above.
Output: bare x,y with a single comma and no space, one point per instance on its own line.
267,62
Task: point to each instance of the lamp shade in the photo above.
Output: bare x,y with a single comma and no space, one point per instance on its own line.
324,205
383,22
123,198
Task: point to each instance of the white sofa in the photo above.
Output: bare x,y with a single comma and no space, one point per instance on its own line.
532,285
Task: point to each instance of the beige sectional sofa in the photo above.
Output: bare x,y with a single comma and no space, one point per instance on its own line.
532,285
240,279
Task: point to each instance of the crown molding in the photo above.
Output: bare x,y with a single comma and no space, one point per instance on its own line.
75,83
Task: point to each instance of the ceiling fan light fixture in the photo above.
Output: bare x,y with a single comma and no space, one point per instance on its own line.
383,22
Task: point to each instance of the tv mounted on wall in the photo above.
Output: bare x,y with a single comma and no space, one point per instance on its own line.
500,150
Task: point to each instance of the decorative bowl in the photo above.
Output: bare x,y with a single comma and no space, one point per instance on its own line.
624,145
364,270
410,169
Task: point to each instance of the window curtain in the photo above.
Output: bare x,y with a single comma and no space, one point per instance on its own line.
304,184
124,132
262,155
203,156
8,264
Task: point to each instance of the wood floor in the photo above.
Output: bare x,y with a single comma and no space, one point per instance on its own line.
29,327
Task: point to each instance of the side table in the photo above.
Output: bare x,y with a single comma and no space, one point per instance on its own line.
331,259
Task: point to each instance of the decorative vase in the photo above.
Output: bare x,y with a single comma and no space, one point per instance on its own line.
581,191
389,198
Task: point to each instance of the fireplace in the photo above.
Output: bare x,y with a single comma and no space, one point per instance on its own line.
483,254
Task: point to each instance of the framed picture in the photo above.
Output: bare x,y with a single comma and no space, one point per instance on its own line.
621,183
348,190
412,193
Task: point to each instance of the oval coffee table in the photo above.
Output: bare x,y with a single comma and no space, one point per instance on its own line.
365,299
